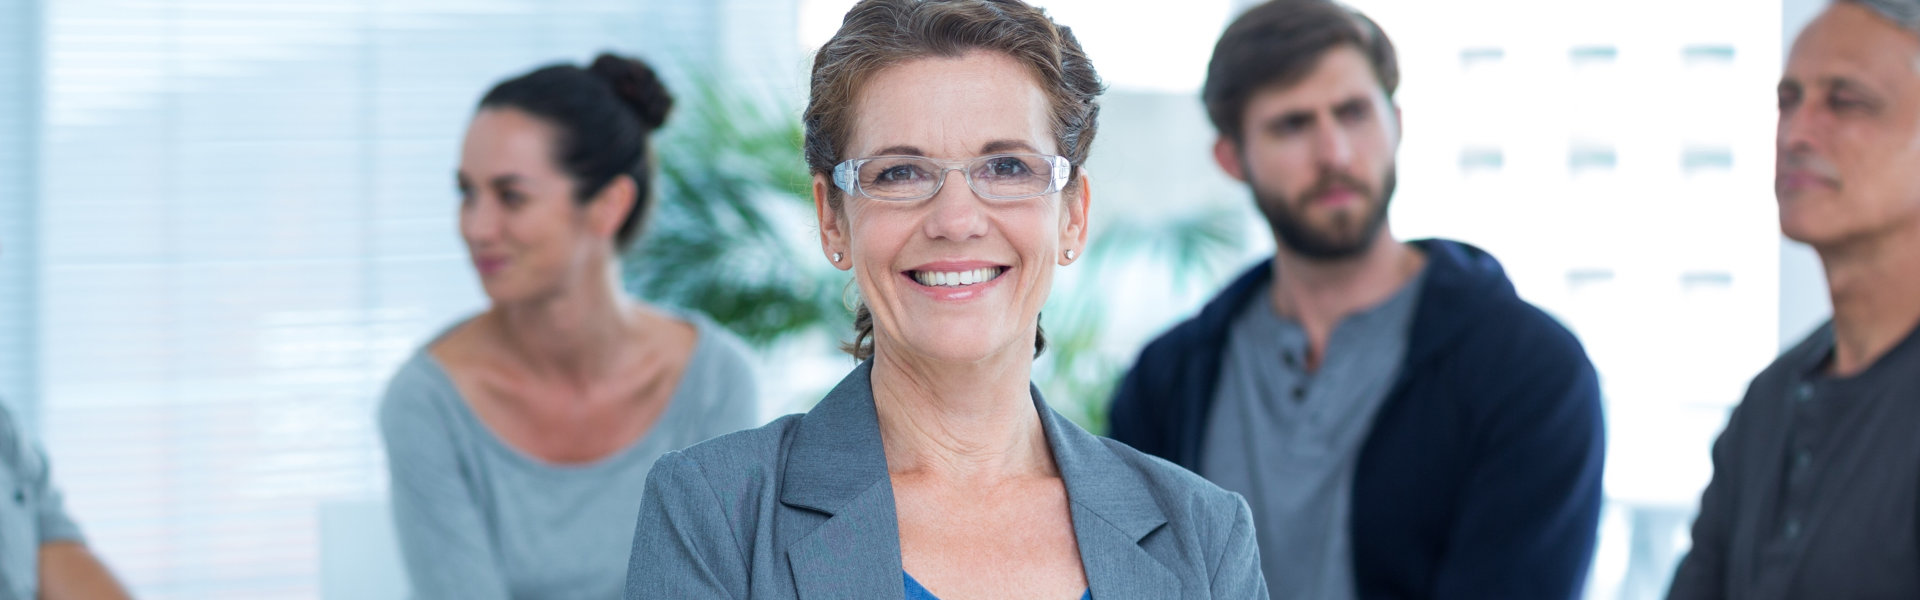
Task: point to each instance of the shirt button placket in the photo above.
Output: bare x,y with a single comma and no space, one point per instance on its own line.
1801,463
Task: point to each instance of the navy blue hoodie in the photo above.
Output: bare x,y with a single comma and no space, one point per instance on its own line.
1481,476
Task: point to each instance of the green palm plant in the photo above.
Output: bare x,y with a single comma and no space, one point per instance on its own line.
727,233
1081,367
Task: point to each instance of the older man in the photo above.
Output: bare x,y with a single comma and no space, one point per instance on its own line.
1816,485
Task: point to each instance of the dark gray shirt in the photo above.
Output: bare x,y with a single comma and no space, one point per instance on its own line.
1816,484
1289,439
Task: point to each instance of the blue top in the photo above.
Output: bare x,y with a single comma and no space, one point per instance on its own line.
1494,423
916,592
478,519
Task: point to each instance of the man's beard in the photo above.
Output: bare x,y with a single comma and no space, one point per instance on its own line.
1344,237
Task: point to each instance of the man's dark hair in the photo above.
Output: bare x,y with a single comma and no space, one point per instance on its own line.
1277,43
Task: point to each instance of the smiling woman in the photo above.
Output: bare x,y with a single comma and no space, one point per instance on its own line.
518,439
935,469
969,110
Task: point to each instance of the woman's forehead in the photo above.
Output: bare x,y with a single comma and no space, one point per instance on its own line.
508,138
952,107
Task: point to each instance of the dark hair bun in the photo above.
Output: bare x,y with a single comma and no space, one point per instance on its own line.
637,85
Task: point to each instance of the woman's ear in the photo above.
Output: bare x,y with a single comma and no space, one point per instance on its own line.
611,205
1079,207
833,236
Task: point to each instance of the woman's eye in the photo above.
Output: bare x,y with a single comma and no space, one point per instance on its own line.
898,174
1007,167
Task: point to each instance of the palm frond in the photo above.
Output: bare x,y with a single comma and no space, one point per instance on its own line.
733,211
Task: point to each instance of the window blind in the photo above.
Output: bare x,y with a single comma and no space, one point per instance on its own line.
246,222
19,78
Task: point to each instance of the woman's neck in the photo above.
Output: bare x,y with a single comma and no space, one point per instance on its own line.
972,422
573,334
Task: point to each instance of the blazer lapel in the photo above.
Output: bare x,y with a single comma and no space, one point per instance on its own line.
1113,511
836,467
1116,565
854,554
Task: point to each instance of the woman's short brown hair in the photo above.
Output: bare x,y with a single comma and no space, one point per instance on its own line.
877,34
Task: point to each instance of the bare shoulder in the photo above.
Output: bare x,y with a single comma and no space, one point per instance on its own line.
464,346
670,332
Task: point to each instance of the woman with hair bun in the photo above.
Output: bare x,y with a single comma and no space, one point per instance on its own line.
519,439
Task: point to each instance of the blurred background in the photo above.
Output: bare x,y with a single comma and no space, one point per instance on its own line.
223,224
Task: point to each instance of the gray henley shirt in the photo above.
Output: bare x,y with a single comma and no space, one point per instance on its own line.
1289,439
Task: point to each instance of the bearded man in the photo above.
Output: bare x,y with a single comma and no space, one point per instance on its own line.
1402,424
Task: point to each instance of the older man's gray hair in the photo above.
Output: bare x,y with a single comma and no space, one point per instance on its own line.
1905,13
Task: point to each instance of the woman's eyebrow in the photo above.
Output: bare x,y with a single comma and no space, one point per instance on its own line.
1005,145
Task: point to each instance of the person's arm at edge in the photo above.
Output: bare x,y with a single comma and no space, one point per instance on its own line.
69,571
66,568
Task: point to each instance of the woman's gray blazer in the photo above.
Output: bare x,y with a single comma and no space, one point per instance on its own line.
802,509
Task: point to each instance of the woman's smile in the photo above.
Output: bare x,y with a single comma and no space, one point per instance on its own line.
955,281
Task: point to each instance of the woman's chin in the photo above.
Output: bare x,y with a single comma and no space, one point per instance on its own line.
502,291
962,347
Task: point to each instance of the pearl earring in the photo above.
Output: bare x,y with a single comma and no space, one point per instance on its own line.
1069,254
836,257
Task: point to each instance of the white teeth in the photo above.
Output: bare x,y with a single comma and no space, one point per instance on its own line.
956,278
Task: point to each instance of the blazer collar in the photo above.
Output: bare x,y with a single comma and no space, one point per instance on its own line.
1114,511
836,453
1097,479
837,467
